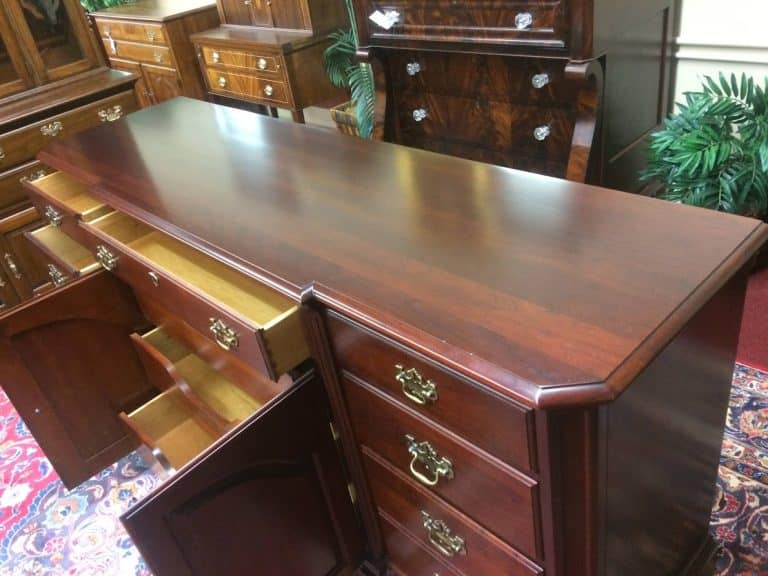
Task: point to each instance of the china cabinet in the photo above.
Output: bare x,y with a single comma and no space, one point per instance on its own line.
151,39
270,53
52,84
567,88
340,383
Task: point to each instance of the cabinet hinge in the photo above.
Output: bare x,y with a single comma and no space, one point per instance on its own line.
352,492
334,432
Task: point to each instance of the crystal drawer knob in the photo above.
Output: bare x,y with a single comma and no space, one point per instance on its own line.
151,35
262,64
541,133
222,82
269,90
157,57
523,20
540,80
215,57
419,114
413,68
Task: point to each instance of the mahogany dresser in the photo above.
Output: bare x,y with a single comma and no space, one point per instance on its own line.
53,83
151,39
361,357
271,53
568,88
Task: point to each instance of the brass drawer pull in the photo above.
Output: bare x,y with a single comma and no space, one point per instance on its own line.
262,64
52,129
154,278
106,258
111,114
222,82
12,267
57,276
269,90
2,154
414,387
32,176
224,335
53,215
426,455
441,537
215,57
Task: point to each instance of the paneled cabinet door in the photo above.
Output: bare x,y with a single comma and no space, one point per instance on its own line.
163,83
25,265
140,88
270,499
237,12
8,295
69,368
13,74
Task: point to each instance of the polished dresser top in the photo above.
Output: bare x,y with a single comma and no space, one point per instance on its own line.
552,292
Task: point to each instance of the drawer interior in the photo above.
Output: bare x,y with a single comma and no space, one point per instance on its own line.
194,411
68,192
242,295
71,254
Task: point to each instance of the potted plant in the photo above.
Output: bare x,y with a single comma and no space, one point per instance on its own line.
714,151
94,5
358,116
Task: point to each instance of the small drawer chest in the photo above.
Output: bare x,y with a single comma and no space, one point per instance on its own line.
151,39
558,88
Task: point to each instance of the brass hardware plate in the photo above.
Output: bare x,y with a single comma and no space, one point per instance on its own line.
36,175
414,387
441,537
223,334
106,258
57,276
53,215
52,129
12,266
437,466
111,114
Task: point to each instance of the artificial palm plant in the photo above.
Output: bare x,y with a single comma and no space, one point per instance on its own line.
357,77
94,5
714,151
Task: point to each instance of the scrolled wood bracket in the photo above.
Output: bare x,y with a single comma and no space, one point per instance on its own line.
588,117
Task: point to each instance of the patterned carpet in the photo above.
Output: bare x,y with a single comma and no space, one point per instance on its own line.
46,530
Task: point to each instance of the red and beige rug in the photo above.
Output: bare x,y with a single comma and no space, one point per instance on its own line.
46,530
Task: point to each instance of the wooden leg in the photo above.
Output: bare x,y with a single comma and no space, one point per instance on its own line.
273,111
298,116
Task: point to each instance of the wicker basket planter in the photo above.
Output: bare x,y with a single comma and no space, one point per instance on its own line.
344,116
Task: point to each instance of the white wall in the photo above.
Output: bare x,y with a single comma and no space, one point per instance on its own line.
716,35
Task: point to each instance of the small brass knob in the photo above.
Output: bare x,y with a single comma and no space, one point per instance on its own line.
222,82
269,90
542,132
262,64
523,20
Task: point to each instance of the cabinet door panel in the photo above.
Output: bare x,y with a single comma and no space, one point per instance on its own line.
69,368
269,499
236,12
163,83
140,88
13,75
25,264
8,296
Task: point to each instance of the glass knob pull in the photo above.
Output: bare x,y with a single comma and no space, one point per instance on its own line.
215,57
269,90
222,82
542,133
540,80
420,114
413,68
262,64
523,20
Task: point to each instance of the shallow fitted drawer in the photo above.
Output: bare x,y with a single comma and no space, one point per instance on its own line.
131,31
70,259
494,495
24,144
12,191
531,130
238,313
469,410
267,65
140,52
506,79
536,23
225,82
463,544
407,556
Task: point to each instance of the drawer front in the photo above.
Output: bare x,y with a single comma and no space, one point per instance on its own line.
528,130
266,65
408,556
24,144
465,408
271,350
481,21
132,31
494,495
12,181
253,87
139,52
69,258
465,546
502,78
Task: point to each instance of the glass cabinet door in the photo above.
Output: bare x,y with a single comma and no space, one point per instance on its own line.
58,33
13,74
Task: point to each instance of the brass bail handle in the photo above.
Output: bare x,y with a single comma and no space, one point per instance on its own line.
225,337
441,537
415,388
423,453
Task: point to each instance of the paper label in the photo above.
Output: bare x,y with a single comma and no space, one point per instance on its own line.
386,19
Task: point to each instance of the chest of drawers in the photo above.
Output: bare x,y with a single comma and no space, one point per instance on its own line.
557,88
151,39
338,383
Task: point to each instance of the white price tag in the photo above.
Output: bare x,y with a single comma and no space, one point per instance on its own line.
385,19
